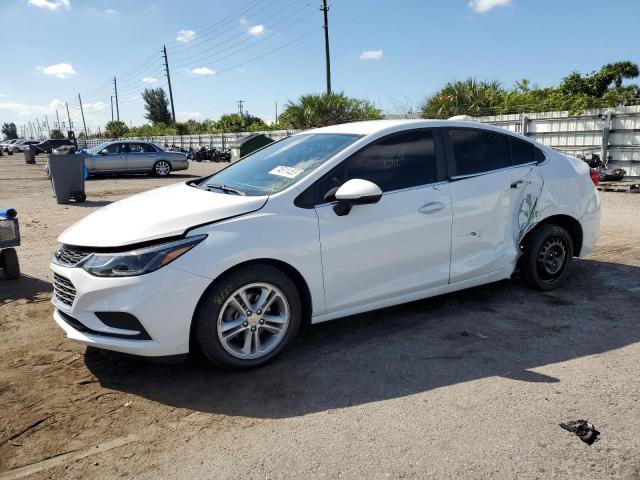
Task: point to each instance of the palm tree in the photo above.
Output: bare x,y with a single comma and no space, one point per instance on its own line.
319,110
625,69
468,97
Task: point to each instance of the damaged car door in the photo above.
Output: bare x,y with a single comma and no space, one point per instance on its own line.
493,201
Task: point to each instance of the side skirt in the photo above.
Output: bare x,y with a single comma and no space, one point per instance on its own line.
490,277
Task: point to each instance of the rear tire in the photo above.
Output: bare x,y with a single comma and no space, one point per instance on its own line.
9,263
225,325
161,168
548,252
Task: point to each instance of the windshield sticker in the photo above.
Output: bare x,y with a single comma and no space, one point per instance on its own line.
287,172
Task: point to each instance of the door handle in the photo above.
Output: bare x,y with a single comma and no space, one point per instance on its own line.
519,184
431,207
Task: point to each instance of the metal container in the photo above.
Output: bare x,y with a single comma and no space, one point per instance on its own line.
67,177
248,145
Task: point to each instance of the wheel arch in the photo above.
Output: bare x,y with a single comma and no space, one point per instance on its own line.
289,270
569,223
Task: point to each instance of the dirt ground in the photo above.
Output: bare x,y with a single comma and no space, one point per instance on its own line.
469,384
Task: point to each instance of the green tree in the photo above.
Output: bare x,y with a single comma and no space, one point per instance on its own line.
622,70
319,110
116,129
157,105
467,97
56,134
234,122
9,131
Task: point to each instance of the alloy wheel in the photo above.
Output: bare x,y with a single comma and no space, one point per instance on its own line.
162,168
253,321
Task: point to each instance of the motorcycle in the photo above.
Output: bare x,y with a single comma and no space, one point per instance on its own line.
605,174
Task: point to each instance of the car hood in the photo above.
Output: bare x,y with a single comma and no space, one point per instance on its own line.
162,212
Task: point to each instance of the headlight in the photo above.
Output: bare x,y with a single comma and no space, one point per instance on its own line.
139,262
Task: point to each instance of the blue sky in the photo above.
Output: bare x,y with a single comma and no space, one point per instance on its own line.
391,52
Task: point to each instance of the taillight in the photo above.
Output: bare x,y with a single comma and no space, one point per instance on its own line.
595,176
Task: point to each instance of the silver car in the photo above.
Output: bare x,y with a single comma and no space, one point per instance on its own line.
133,157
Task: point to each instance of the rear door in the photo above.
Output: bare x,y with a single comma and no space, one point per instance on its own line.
140,156
482,229
398,246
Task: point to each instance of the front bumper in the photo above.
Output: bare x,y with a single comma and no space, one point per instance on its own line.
163,302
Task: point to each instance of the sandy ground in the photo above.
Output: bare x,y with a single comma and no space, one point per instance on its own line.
470,384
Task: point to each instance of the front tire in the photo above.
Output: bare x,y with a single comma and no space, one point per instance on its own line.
161,168
547,256
248,317
9,263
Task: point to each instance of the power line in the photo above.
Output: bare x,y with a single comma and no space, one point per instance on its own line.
229,52
296,40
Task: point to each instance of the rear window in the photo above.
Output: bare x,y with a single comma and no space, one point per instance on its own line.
478,151
521,152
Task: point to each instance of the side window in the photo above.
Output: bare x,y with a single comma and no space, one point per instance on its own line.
133,148
113,148
478,151
145,147
400,161
521,152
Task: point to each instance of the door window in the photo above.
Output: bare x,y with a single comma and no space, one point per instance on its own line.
478,151
521,152
400,161
113,148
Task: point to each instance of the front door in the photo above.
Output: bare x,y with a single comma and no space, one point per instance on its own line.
140,156
115,159
398,246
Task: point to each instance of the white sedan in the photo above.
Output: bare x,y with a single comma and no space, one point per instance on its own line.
327,223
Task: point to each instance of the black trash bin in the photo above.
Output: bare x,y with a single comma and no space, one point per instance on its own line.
249,144
67,177
30,155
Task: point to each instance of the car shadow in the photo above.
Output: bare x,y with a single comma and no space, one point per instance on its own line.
502,329
23,288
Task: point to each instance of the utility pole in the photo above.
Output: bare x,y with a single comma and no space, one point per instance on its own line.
115,87
112,108
240,104
86,136
48,128
276,112
166,66
68,116
58,126
39,128
325,11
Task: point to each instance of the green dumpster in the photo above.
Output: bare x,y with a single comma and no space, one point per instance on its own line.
248,145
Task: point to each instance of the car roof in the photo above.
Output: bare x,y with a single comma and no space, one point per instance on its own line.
371,127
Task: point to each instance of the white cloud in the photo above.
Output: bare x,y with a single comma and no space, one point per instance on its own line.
202,71
244,22
149,80
59,70
371,55
256,30
93,107
50,4
483,6
55,103
188,115
185,36
111,11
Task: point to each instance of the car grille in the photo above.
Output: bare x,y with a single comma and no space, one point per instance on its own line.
64,256
63,290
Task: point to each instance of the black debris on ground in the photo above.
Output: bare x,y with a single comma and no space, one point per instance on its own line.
583,429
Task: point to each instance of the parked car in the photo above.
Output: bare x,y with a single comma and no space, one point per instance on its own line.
48,146
9,143
327,223
22,144
133,157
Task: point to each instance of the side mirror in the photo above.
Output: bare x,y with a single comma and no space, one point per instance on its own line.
104,151
356,192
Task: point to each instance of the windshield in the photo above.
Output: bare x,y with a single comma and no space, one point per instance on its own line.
98,148
280,164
